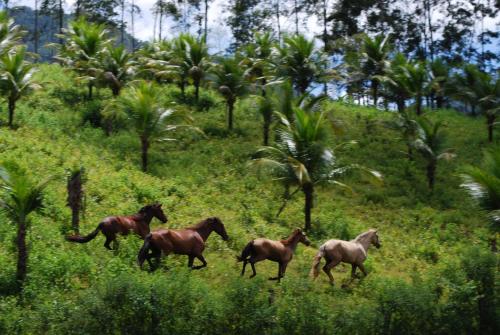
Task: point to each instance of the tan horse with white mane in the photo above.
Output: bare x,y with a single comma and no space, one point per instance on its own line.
353,252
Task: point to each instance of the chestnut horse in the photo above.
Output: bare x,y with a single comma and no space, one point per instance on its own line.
113,225
353,252
278,251
188,241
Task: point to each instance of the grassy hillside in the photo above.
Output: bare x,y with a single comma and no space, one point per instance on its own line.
430,274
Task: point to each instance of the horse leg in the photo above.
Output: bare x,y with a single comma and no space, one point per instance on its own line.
108,242
253,269
328,269
190,261
362,268
353,271
244,266
200,257
280,266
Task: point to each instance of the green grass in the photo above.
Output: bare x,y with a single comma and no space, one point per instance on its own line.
423,235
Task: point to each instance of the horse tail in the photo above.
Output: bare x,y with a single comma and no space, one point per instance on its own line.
315,266
84,239
246,252
143,253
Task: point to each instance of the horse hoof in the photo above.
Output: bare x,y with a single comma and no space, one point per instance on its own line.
252,276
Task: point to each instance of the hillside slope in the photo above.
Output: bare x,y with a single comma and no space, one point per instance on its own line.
419,281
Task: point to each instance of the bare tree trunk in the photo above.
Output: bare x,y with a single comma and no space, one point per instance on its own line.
75,192
296,10
61,19
22,253
205,29
36,31
122,25
277,6
132,24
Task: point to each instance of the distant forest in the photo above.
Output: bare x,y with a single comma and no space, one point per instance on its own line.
456,30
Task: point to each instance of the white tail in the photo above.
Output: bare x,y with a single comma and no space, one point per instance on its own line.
315,266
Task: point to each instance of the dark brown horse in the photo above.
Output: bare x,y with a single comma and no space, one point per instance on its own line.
188,241
124,225
276,251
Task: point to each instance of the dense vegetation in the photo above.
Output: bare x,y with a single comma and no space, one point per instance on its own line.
102,125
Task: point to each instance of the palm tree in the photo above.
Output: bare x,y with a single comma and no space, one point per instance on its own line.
228,78
20,198
439,74
417,83
396,82
197,61
16,78
257,58
149,118
10,33
300,62
83,46
375,60
300,156
483,184
478,89
115,68
429,143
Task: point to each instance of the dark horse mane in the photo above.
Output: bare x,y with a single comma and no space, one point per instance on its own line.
202,223
290,238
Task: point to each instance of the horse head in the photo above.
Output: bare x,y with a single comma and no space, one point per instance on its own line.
156,211
217,226
375,239
302,236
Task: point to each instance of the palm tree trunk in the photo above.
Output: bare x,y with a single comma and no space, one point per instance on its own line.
308,190
296,10
375,92
431,174
144,148
22,253
491,122
12,108
439,101
267,125
230,109
401,105
418,104
90,87
196,90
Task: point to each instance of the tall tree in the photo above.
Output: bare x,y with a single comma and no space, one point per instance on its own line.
246,17
54,8
98,11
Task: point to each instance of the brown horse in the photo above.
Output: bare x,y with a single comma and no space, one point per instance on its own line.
353,252
113,225
188,241
277,251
